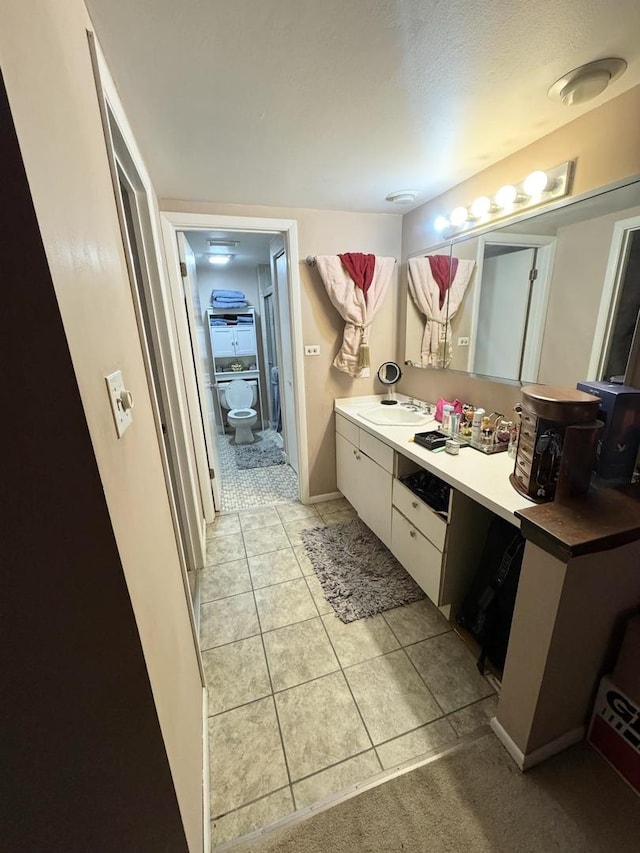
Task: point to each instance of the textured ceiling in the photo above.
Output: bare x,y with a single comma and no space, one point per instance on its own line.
335,103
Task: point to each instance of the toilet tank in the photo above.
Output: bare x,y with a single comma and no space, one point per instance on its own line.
252,383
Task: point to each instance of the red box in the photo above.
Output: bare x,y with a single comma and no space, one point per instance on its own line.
615,731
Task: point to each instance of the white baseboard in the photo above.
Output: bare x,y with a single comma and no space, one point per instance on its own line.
330,496
541,754
206,791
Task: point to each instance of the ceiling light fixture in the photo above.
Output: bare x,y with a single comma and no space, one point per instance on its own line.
219,260
586,82
402,197
223,244
537,188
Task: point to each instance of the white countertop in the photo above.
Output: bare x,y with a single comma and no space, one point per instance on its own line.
483,478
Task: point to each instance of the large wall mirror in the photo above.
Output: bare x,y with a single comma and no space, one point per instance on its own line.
553,298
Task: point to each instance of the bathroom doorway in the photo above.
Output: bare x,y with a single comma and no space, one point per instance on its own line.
237,286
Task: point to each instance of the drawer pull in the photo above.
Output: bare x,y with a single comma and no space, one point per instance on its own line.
412,534
357,455
414,504
354,451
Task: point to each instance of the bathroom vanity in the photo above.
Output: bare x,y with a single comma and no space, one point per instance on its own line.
439,550
579,573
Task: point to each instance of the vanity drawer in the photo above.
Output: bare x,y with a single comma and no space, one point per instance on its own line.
421,516
350,431
377,450
420,558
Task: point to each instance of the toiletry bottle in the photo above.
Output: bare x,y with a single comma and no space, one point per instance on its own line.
446,417
476,426
454,421
515,432
486,435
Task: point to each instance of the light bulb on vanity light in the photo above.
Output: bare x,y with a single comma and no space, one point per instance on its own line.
459,216
535,183
480,207
506,196
440,224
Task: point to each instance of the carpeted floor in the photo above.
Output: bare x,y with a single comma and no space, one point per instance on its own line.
358,574
475,800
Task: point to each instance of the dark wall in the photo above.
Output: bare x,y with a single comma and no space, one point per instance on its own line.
82,760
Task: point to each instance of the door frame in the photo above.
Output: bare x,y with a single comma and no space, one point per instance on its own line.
611,287
174,221
534,332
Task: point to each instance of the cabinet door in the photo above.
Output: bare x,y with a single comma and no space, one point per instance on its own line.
374,485
246,340
347,470
223,341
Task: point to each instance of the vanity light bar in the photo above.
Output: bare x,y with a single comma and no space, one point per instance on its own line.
537,188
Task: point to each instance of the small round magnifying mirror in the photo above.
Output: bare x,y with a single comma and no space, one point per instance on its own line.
389,374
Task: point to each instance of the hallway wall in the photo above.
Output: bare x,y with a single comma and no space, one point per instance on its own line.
47,68
328,232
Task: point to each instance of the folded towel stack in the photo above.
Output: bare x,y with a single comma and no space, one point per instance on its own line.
228,299
245,319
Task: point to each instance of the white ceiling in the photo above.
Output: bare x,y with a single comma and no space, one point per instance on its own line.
333,104
252,248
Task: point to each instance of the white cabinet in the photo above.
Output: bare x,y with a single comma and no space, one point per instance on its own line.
228,341
366,485
439,552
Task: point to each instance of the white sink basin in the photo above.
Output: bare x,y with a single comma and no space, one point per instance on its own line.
394,416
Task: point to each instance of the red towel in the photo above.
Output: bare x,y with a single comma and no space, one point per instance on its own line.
443,269
360,267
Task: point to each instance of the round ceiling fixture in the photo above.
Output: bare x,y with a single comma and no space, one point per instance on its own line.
402,197
586,82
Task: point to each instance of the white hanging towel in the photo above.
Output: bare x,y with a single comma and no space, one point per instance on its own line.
356,308
426,293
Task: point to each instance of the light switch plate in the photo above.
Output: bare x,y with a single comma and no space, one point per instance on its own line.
120,400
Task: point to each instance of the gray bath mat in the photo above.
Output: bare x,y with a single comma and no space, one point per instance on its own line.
261,454
358,574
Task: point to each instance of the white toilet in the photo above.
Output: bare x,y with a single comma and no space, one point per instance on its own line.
238,396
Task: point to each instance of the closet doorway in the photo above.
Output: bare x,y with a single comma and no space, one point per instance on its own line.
240,287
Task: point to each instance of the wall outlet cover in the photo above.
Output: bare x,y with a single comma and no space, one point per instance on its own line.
463,342
314,349
121,402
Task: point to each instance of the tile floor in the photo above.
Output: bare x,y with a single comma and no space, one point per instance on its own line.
242,488
301,705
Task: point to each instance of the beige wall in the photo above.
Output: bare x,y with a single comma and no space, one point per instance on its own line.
604,144
48,74
582,253
324,232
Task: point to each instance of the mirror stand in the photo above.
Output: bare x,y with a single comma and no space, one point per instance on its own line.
389,374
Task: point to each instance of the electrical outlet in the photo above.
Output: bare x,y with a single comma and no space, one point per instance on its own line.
312,350
463,342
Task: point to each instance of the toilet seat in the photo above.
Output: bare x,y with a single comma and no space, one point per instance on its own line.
239,395
242,413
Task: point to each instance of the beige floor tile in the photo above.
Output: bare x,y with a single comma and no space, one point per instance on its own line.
334,505
318,596
468,719
292,512
225,549
295,528
320,725
245,754
298,653
265,539
340,516
255,519
449,671
228,620
360,640
284,604
223,525
418,621
391,696
415,743
336,779
274,567
258,815
236,674
224,579
303,559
